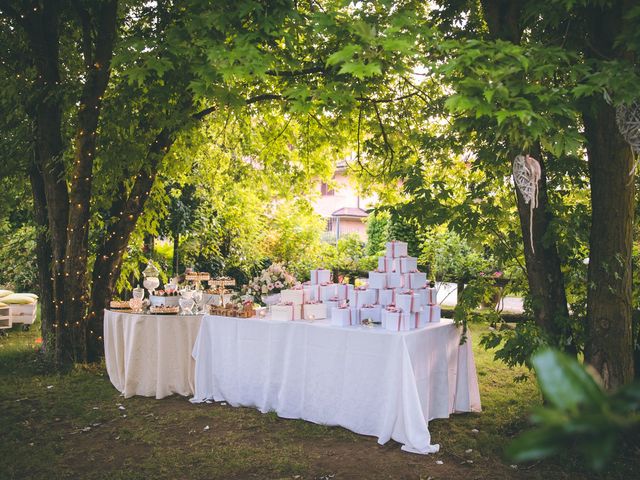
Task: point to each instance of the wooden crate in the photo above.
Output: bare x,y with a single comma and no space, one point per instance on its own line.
5,317
24,314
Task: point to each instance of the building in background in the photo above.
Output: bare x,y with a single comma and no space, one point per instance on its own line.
345,210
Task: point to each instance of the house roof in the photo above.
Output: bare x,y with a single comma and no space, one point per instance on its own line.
350,212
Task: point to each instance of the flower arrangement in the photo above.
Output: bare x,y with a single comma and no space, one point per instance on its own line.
271,280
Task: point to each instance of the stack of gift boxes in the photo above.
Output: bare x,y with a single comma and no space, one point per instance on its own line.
397,296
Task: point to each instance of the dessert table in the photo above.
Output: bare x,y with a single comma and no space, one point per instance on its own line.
150,355
366,379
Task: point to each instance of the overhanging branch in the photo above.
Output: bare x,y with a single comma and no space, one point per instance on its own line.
258,98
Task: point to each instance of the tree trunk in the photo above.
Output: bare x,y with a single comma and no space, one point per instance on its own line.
546,283
176,254
44,257
609,343
108,263
97,62
42,31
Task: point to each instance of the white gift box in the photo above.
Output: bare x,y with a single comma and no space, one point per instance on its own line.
415,280
396,249
388,316
421,318
286,312
320,276
326,292
331,304
394,280
431,296
344,317
314,311
378,279
408,302
397,321
359,297
342,290
295,296
428,295
386,264
432,313
371,312
387,296
407,264
314,292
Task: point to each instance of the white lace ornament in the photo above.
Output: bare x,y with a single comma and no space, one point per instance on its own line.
628,120
526,175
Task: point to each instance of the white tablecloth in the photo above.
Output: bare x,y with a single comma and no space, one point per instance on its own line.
369,380
150,355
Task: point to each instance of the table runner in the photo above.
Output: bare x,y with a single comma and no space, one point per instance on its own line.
368,380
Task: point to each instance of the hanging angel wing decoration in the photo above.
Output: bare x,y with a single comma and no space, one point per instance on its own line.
526,175
628,120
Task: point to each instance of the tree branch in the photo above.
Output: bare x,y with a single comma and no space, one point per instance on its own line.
258,98
85,22
297,73
386,100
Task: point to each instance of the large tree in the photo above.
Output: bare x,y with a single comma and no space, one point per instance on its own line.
106,127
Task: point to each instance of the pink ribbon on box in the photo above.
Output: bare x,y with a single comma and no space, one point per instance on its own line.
393,248
412,304
431,313
417,317
430,299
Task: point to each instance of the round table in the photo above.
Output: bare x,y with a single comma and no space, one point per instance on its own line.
150,355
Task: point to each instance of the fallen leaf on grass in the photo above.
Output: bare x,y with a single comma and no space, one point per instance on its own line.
439,462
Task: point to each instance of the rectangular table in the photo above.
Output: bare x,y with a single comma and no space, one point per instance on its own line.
150,355
368,380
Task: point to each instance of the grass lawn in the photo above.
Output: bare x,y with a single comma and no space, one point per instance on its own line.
76,425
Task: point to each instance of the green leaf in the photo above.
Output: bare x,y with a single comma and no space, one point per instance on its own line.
346,53
488,94
536,444
564,382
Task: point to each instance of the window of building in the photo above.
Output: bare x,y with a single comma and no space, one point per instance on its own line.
326,190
